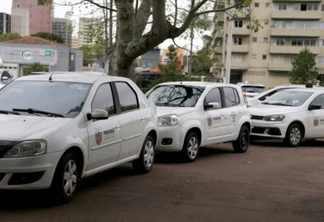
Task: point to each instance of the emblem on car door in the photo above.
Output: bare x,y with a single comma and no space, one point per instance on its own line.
316,122
233,115
98,136
209,121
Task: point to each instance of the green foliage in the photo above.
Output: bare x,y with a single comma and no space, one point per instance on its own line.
304,68
49,36
9,36
92,53
35,67
44,2
201,62
173,64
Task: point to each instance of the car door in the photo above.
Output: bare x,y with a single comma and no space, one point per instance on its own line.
104,135
316,118
133,119
215,124
232,109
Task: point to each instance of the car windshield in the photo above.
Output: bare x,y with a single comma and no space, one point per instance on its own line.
175,95
253,89
288,98
54,99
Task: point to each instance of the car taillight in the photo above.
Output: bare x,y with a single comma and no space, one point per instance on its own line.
244,97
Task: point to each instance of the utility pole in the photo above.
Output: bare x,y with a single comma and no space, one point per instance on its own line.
229,48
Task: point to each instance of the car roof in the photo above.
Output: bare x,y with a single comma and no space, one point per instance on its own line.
197,83
319,89
80,77
250,84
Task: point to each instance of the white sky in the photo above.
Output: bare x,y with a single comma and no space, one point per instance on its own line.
59,12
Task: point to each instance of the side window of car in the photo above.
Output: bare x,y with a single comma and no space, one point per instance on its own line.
319,101
231,97
127,97
214,95
104,99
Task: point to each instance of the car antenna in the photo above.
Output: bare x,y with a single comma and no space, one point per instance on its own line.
50,78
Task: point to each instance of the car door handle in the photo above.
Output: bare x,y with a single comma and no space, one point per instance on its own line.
117,127
143,119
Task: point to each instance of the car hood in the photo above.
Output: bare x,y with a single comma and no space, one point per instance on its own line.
265,110
162,110
17,128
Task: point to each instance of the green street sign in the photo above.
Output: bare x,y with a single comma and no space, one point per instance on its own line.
48,53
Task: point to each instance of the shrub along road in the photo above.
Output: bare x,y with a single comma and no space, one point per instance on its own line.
267,183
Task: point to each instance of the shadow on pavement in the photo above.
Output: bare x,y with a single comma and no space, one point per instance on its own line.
280,143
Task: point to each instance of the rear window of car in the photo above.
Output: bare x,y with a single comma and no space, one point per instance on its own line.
253,89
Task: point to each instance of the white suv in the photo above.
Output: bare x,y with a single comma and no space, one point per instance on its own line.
56,129
194,114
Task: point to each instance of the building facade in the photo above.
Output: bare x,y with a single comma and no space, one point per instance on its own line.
5,23
31,16
266,56
20,53
87,35
63,27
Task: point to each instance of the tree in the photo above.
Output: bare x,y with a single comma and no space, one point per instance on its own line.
35,67
143,25
304,68
9,36
173,66
49,36
201,62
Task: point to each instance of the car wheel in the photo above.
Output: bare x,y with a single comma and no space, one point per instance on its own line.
294,135
145,161
65,179
190,147
242,143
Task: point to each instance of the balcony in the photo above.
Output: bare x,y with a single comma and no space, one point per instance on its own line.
296,32
280,66
239,66
240,31
240,48
307,15
292,49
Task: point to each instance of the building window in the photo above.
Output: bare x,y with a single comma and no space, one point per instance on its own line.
280,41
238,23
292,58
321,25
264,57
303,42
253,56
320,60
278,59
237,40
267,5
256,4
236,58
282,6
266,22
265,39
323,7
254,39
320,42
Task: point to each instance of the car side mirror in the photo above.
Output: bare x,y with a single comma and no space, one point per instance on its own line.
98,114
212,105
314,107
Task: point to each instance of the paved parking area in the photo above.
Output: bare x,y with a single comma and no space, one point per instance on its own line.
268,183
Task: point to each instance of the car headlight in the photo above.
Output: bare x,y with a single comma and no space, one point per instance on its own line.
279,117
169,120
27,148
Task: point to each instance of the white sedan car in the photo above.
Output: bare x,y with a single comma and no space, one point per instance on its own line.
56,129
194,114
291,115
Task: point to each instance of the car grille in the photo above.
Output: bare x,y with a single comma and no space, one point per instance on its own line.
257,117
5,146
258,130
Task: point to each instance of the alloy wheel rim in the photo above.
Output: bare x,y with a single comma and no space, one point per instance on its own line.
148,154
70,178
295,136
192,147
244,138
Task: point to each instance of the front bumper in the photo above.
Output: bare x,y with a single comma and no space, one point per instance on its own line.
269,129
171,138
28,173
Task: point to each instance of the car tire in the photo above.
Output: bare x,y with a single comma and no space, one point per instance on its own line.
190,147
242,143
145,161
65,179
294,135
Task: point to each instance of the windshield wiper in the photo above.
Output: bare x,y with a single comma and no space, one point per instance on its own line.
276,104
32,111
9,112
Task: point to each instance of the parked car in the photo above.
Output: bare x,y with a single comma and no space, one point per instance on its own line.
291,115
5,77
252,101
252,90
194,114
57,129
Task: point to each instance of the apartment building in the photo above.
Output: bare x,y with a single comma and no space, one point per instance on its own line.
266,56
31,16
63,27
5,23
89,30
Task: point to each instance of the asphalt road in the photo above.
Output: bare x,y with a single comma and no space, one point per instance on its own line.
267,183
